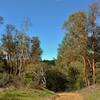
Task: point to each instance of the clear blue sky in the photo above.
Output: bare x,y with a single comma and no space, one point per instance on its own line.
47,17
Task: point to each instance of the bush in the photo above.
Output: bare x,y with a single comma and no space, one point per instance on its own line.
55,80
73,79
98,75
4,78
38,75
26,80
2,64
9,80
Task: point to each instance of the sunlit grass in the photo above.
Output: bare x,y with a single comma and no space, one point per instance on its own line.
25,94
91,93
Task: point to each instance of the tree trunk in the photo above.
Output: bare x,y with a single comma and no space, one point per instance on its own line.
91,71
84,70
93,59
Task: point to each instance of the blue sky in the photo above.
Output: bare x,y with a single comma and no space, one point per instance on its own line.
47,17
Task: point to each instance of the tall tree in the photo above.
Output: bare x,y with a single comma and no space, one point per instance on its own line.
22,52
9,46
35,50
22,47
76,26
93,13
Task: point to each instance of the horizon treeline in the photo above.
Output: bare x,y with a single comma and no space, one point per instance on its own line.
78,60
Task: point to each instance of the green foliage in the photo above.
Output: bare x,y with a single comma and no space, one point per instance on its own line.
73,78
77,46
38,75
2,64
76,24
2,61
67,82
4,79
26,80
69,62
56,81
97,44
36,51
97,72
69,51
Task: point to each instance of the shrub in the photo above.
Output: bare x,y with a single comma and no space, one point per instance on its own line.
55,80
73,79
98,76
4,78
38,75
26,80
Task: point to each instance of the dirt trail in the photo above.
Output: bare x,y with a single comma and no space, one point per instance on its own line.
68,96
1,89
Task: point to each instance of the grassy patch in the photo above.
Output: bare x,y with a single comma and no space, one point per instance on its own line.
25,94
91,93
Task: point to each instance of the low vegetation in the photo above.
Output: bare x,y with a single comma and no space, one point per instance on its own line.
91,93
25,94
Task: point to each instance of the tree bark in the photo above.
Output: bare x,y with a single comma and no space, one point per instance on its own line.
84,70
93,59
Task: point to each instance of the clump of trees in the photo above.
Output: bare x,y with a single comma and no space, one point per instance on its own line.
80,46
18,50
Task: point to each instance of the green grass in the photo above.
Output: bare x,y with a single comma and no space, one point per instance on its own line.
25,94
91,93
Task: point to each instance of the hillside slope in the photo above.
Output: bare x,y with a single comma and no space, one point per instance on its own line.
25,94
89,93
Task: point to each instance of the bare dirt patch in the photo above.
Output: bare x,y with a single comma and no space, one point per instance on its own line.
68,96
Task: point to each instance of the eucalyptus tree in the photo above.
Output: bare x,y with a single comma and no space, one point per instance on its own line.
36,51
9,45
76,26
81,28
22,52
94,12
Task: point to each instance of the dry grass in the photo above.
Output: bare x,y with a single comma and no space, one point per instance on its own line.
68,96
89,93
